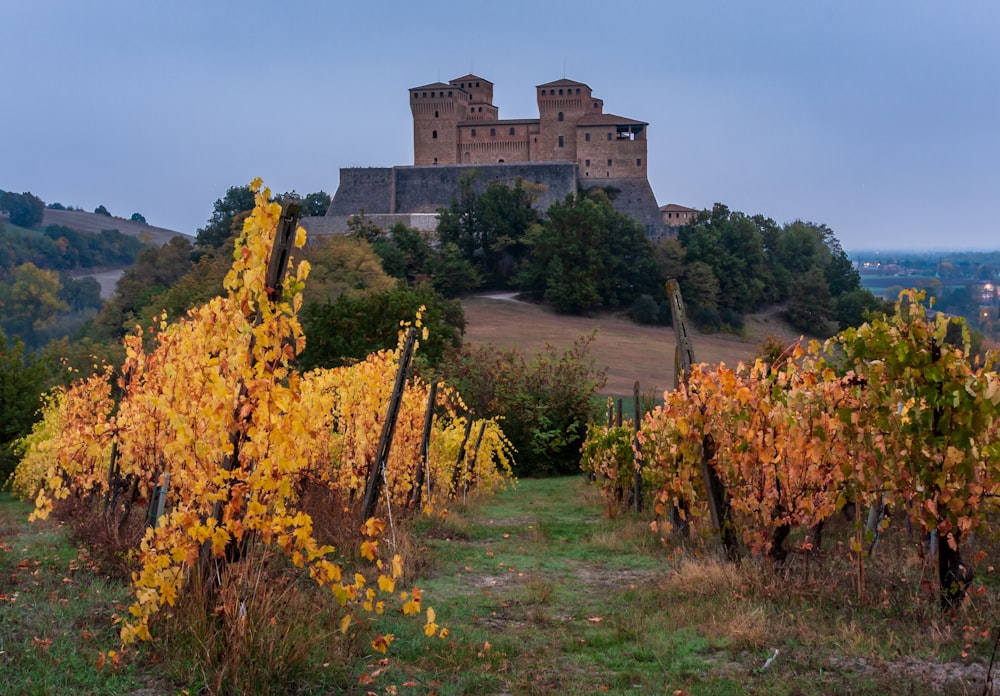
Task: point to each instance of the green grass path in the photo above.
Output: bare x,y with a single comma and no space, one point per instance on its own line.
543,594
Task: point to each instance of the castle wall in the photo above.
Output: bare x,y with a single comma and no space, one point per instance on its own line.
425,189
413,194
635,198
363,188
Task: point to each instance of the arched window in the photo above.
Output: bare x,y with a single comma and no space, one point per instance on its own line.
435,114
560,115
493,132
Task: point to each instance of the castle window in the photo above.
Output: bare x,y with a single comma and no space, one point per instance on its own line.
609,163
588,163
587,137
425,95
493,132
434,135
449,92
435,114
480,109
595,105
560,115
512,131
477,84
435,160
560,92
560,141
473,132
543,92
577,90
609,135
638,162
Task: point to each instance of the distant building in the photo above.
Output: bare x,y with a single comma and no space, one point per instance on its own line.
675,215
457,123
572,145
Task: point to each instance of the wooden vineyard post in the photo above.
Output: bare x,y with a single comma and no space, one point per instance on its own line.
284,239
377,470
637,484
471,462
461,454
158,501
715,491
423,464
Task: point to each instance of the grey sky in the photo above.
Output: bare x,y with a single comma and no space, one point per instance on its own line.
877,118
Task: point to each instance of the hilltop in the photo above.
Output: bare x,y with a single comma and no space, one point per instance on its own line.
93,223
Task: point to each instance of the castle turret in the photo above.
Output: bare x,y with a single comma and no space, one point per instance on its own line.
560,105
437,108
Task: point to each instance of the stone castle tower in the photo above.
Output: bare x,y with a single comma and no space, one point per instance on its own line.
572,145
457,123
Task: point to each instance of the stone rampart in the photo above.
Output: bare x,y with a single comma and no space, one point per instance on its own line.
413,194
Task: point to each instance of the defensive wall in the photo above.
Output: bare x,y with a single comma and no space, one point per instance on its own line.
413,194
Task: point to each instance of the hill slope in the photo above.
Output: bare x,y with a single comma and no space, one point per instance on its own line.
91,222
629,351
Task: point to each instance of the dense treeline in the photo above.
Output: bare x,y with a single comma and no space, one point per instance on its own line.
585,256
729,264
61,248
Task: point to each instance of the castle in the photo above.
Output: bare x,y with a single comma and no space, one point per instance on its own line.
572,145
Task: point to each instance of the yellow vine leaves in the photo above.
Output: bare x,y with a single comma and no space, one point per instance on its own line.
217,404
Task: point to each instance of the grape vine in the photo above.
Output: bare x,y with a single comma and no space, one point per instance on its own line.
217,404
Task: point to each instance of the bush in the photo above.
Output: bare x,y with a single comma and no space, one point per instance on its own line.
645,310
353,326
545,400
706,318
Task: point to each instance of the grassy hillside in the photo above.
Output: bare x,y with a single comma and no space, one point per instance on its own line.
629,351
90,222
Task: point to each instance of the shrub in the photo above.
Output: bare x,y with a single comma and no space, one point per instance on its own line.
645,310
545,400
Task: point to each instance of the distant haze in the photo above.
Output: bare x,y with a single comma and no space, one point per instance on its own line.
877,119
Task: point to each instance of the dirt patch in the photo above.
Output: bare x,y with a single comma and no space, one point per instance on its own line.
939,677
627,350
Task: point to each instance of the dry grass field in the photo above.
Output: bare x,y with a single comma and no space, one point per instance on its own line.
628,350
89,222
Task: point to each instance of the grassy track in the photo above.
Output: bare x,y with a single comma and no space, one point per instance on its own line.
546,595
542,593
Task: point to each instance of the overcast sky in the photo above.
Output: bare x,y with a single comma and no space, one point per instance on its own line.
879,118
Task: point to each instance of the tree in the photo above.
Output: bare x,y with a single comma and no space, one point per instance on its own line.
342,264
545,399
226,213
588,256
101,210
354,325
153,272
138,217
490,228
811,307
316,204
22,379
25,209
29,303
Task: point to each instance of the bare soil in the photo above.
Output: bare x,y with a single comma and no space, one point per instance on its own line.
628,351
